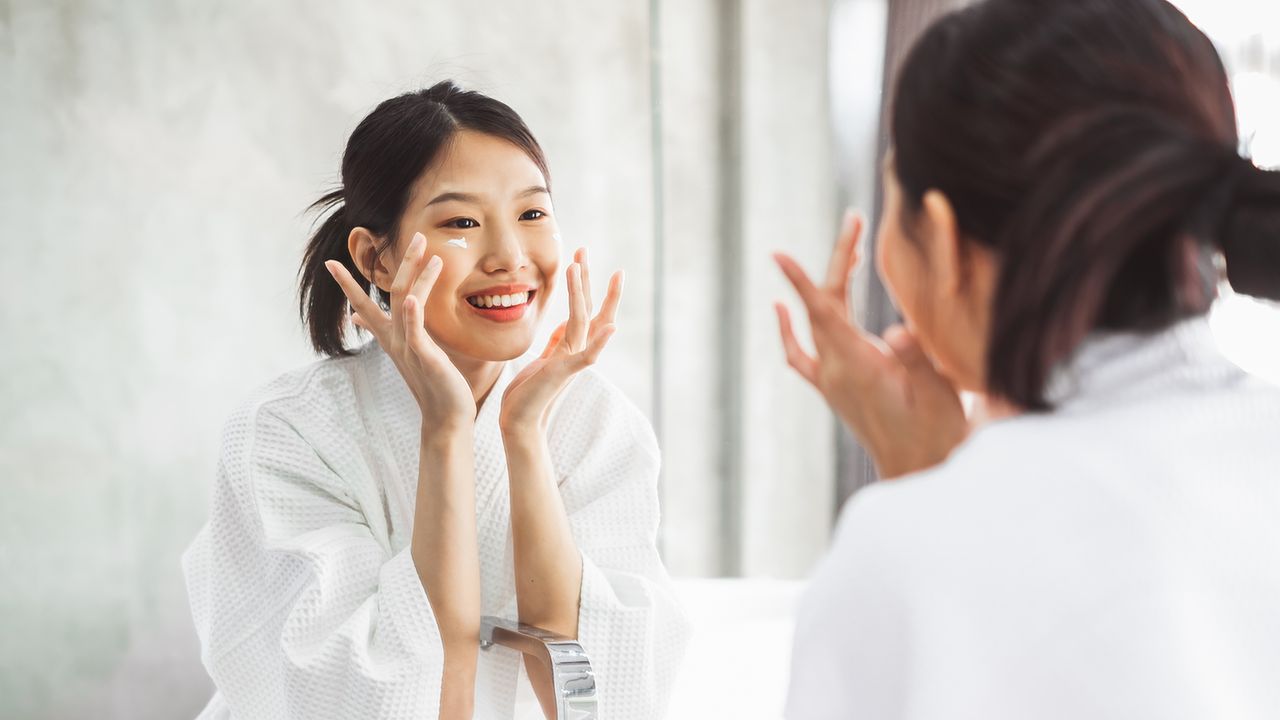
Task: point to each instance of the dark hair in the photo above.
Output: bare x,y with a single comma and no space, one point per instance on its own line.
1092,145
387,152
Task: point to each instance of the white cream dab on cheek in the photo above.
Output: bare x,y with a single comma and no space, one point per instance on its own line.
457,242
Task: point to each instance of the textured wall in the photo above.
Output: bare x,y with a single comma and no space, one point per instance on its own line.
788,204
155,159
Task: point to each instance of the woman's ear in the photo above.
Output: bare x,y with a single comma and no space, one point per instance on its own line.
943,243
363,246
965,273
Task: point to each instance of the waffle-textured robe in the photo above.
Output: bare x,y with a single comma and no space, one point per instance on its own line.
305,596
1115,559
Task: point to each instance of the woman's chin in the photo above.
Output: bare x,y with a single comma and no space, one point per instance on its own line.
502,349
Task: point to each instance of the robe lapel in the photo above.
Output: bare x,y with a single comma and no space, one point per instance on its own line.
493,503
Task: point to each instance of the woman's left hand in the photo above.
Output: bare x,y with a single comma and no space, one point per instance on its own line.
904,413
574,346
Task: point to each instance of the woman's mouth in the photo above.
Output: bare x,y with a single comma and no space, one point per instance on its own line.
501,306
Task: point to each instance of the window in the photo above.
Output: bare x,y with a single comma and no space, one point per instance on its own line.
1247,35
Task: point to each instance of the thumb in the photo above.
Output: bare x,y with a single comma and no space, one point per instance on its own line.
907,349
920,369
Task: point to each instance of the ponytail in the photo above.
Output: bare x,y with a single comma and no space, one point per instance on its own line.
1250,237
321,303
1101,240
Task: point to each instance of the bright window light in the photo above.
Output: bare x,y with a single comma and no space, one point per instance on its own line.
1248,330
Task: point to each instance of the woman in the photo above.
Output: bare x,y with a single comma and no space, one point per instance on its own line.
370,508
1108,546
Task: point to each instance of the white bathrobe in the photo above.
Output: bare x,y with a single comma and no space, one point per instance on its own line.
303,591
1116,558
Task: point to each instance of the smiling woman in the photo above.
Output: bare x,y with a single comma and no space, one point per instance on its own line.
370,508
489,192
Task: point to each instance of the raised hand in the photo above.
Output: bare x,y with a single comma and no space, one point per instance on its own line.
887,392
575,345
443,395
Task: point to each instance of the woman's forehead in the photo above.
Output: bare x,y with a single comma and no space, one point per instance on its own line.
480,165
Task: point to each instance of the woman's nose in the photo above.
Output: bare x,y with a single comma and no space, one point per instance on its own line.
504,251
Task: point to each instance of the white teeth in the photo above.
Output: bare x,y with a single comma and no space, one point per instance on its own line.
502,301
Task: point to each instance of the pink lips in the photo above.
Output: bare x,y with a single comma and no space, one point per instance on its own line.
502,314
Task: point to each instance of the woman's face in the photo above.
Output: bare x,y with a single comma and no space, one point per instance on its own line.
485,210
941,284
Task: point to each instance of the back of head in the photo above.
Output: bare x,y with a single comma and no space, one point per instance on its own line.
1092,145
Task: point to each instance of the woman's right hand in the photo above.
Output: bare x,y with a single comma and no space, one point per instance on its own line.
905,414
443,395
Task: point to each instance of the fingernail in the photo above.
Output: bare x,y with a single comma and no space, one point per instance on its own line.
435,262
419,238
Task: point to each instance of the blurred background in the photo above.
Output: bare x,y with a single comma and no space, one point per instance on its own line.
155,162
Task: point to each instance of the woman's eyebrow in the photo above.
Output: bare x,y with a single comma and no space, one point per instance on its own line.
452,196
475,199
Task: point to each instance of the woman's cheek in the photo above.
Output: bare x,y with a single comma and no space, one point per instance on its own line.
888,266
547,261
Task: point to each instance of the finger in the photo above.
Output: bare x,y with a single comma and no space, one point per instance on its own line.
599,339
851,262
411,266
906,347
373,317
855,242
421,287
575,334
846,248
924,375
797,358
843,261
415,332
612,297
580,257
815,301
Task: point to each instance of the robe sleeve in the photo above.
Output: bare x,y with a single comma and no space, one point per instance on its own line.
629,621
301,608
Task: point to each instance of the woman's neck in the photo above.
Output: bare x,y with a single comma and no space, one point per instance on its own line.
481,375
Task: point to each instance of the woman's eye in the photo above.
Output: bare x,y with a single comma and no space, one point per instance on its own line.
533,215
462,224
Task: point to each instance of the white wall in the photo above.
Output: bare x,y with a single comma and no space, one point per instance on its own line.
155,158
